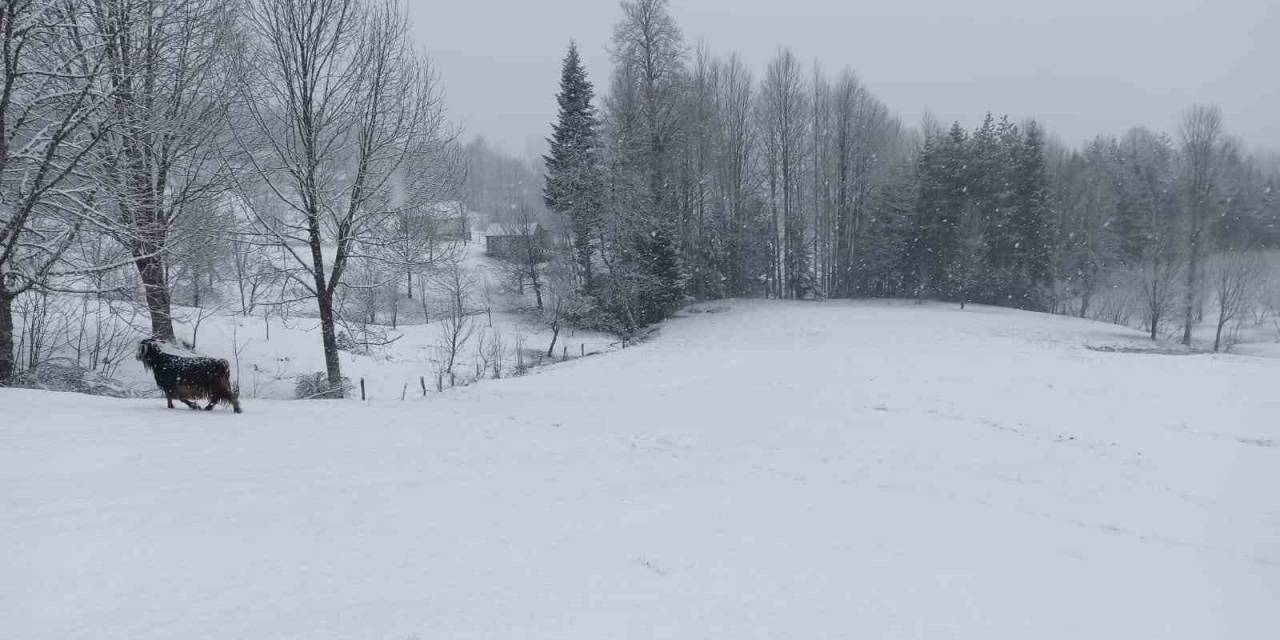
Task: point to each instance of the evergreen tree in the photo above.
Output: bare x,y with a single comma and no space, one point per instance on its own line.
943,175
1127,222
1031,224
573,182
648,280
1087,239
884,268
999,226
981,229
1270,214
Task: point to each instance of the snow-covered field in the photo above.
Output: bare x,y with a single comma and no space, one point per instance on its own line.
269,350
758,470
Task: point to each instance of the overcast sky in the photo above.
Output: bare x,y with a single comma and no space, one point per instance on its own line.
1081,67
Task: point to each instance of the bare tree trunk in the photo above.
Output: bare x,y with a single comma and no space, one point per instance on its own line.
151,259
324,303
555,333
332,366
1193,270
6,338
195,289
155,287
775,260
537,285
1201,131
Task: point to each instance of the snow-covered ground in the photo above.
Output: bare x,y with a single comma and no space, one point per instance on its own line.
269,349
758,470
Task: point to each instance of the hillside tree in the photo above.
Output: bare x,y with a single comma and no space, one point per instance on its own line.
337,104
1202,148
645,116
50,142
164,70
784,121
573,181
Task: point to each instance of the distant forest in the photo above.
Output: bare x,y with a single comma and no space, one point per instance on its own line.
694,178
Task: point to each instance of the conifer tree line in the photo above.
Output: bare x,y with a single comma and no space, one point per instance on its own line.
694,177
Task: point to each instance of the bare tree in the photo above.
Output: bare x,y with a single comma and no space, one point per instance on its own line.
199,242
49,138
1158,284
1086,208
362,296
430,225
457,325
530,252
418,242
735,174
562,301
784,120
1201,133
1147,167
1236,280
254,272
169,93
497,354
338,106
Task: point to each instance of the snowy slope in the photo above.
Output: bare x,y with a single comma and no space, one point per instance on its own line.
759,470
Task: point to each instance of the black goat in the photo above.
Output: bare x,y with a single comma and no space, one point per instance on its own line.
188,377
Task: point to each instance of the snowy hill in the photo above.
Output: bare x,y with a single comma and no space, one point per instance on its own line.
759,470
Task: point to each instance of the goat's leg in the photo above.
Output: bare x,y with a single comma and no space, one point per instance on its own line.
169,397
209,407
194,406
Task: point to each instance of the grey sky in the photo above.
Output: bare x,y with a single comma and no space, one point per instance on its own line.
1082,67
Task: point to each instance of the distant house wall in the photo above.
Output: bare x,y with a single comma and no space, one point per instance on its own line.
511,245
441,221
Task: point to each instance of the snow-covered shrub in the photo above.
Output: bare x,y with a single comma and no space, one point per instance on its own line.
316,385
346,342
64,375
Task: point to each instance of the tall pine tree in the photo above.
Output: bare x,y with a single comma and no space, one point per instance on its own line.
574,183
1032,222
943,185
